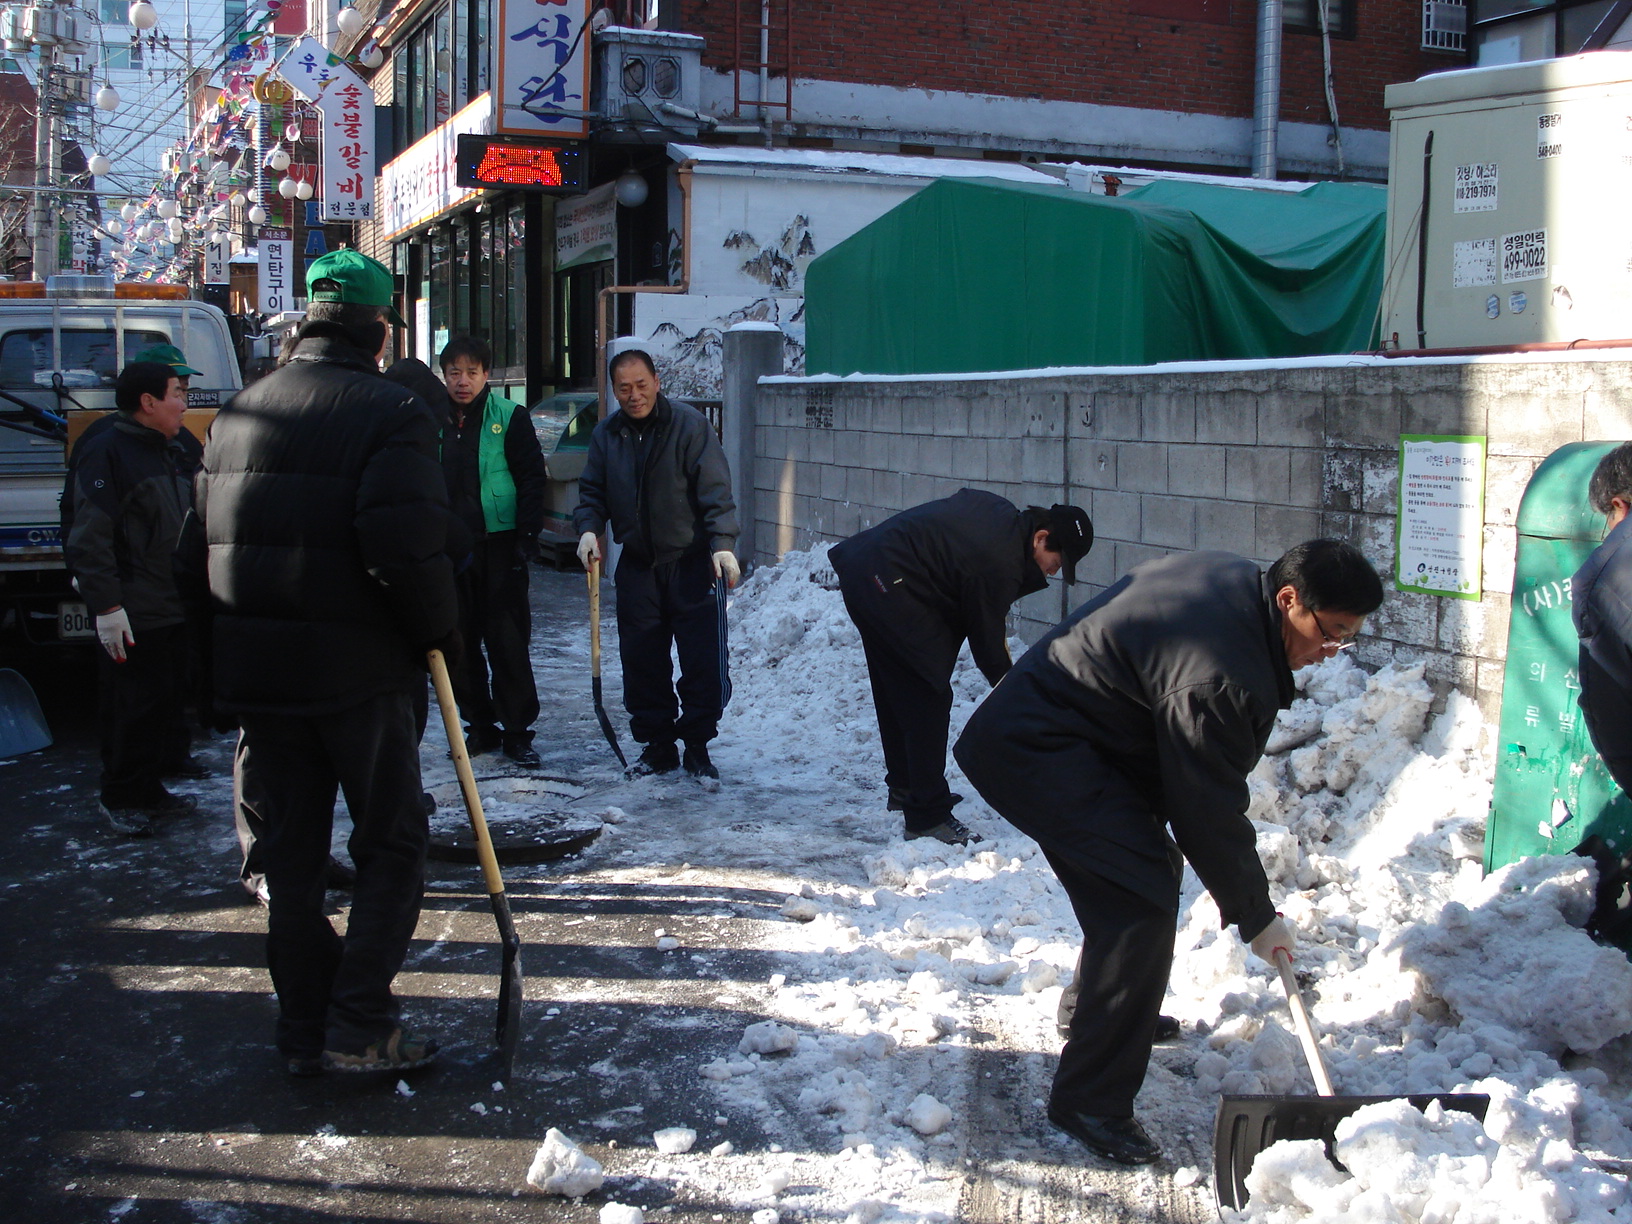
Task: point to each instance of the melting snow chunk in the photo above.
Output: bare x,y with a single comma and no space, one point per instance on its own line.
562,1167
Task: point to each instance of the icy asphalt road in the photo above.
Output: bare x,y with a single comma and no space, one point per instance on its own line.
138,1082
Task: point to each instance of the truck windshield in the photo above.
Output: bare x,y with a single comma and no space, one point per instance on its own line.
88,356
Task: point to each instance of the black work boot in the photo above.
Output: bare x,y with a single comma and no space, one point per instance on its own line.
482,739
1122,1140
655,759
522,753
697,763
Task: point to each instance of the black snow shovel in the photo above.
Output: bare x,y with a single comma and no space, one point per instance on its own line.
507,1030
595,660
1246,1125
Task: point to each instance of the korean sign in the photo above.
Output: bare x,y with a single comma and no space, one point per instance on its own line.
420,184
586,229
1440,528
277,294
348,148
216,254
309,68
541,67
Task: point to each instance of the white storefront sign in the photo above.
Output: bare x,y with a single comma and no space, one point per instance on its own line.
309,68
541,67
275,249
419,185
586,228
347,106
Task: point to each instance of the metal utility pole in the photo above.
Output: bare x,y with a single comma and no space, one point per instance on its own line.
45,232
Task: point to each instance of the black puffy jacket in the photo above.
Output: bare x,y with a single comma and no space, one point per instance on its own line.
1171,678
949,567
324,514
128,504
664,485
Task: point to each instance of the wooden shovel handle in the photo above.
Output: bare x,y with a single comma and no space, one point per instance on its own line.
1303,1025
467,776
594,577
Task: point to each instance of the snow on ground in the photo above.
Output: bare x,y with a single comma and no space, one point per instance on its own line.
912,970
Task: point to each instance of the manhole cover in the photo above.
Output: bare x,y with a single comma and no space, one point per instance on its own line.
527,818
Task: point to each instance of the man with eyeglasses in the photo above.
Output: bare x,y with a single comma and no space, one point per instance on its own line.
1601,597
1122,742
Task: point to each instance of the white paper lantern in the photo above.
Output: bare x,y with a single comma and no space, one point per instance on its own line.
286,187
143,15
257,215
107,98
372,58
175,229
630,189
155,230
350,21
278,159
129,212
304,190
99,164
168,209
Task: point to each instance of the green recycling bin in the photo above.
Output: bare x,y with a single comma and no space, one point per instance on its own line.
1551,788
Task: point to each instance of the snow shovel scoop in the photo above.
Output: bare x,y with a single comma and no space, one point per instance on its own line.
22,726
1246,1125
507,1030
595,660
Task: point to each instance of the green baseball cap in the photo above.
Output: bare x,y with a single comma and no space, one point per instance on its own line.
352,277
170,355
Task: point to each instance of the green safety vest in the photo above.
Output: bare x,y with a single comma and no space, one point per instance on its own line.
498,485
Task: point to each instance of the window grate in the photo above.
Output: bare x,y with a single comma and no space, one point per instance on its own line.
1444,25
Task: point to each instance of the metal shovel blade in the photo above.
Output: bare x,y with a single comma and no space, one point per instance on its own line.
507,1026
22,726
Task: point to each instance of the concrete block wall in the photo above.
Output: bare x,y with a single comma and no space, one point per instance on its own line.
1250,461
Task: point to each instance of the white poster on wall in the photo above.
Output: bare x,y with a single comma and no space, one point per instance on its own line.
1440,528
1476,188
1524,256
541,67
274,249
586,228
1473,262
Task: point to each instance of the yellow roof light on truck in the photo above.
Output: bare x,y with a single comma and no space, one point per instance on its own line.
127,290
81,287
22,289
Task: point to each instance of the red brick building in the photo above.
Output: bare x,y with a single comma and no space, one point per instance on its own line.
1168,82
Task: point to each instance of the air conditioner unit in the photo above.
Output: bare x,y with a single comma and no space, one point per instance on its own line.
1444,25
649,78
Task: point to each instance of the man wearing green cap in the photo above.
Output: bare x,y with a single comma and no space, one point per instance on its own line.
324,513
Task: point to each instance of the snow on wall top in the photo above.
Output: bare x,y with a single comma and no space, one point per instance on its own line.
840,162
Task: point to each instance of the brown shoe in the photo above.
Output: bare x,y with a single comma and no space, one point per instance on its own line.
399,1052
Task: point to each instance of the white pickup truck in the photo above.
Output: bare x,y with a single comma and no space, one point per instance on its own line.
62,345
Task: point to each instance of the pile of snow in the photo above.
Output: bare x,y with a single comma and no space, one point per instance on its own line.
900,955
562,1167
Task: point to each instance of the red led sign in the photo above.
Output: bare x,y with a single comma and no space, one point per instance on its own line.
490,161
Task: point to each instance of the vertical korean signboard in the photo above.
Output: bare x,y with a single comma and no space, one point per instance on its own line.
277,292
216,254
348,148
1440,530
541,67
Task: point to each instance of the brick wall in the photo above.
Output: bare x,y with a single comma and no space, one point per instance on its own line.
1249,461
1103,53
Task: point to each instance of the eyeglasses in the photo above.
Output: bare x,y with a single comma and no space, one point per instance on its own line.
1328,638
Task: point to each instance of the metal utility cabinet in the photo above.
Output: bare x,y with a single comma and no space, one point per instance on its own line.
1508,197
1551,788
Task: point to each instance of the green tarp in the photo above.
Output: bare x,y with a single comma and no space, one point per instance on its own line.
976,274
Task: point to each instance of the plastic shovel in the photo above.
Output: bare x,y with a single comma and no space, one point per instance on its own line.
22,726
507,1030
1246,1125
595,660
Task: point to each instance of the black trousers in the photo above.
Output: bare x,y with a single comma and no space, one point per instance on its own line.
911,677
494,684
333,992
141,716
678,603
1127,953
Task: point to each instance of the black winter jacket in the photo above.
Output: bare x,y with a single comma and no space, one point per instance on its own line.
1172,679
1601,597
324,513
128,505
947,567
665,488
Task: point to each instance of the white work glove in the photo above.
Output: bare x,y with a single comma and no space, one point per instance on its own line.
589,549
113,629
725,566
1276,935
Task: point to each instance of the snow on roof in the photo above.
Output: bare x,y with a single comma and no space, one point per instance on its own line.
834,161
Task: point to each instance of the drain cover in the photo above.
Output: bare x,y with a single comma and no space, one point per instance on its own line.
527,818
